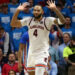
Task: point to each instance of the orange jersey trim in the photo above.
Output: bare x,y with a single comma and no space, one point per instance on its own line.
30,68
41,65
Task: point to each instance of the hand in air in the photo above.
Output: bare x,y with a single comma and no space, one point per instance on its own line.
22,7
51,4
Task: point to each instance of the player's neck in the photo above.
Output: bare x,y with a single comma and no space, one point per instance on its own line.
38,19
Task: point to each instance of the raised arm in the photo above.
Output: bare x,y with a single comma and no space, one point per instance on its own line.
20,54
52,6
15,22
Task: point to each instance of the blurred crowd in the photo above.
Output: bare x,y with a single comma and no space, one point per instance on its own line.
62,37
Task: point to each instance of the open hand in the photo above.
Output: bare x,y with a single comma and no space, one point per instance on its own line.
51,4
22,7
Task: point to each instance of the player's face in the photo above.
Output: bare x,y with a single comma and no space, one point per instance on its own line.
37,11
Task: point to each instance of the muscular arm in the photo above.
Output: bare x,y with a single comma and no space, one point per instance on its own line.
60,16
20,53
52,6
15,22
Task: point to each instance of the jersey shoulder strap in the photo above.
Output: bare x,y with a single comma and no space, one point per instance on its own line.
30,20
45,24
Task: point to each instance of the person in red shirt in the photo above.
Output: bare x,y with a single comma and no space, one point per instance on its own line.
4,1
10,65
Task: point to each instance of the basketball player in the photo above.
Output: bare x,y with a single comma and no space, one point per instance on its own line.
38,36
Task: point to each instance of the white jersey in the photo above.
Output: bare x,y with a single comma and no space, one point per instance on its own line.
38,33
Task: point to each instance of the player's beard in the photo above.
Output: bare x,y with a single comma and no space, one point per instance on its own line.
38,17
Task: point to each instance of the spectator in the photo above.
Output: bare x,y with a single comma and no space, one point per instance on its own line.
53,70
3,60
41,2
15,37
4,41
67,27
12,6
54,54
10,65
31,3
12,72
72,16
5,18
68,4
61,63
64,11
4,1
56,32
69,56
22,1
73,1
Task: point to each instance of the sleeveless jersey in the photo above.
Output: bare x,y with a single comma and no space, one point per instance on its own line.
38,33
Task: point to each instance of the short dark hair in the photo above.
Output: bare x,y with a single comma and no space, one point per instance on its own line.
67,17
40,6
11,53
59,5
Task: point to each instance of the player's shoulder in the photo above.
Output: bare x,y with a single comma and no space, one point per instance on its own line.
50,18
28,18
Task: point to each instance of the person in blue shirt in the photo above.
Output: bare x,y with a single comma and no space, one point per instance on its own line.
67,27
68,4
42,2
12,6
62,65
16,34
22,1
53,65
54,60
73,1
54,54
5,18
72,16
64,11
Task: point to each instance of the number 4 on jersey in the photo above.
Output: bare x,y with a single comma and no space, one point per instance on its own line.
35,32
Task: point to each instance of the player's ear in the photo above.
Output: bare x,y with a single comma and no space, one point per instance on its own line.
42,12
